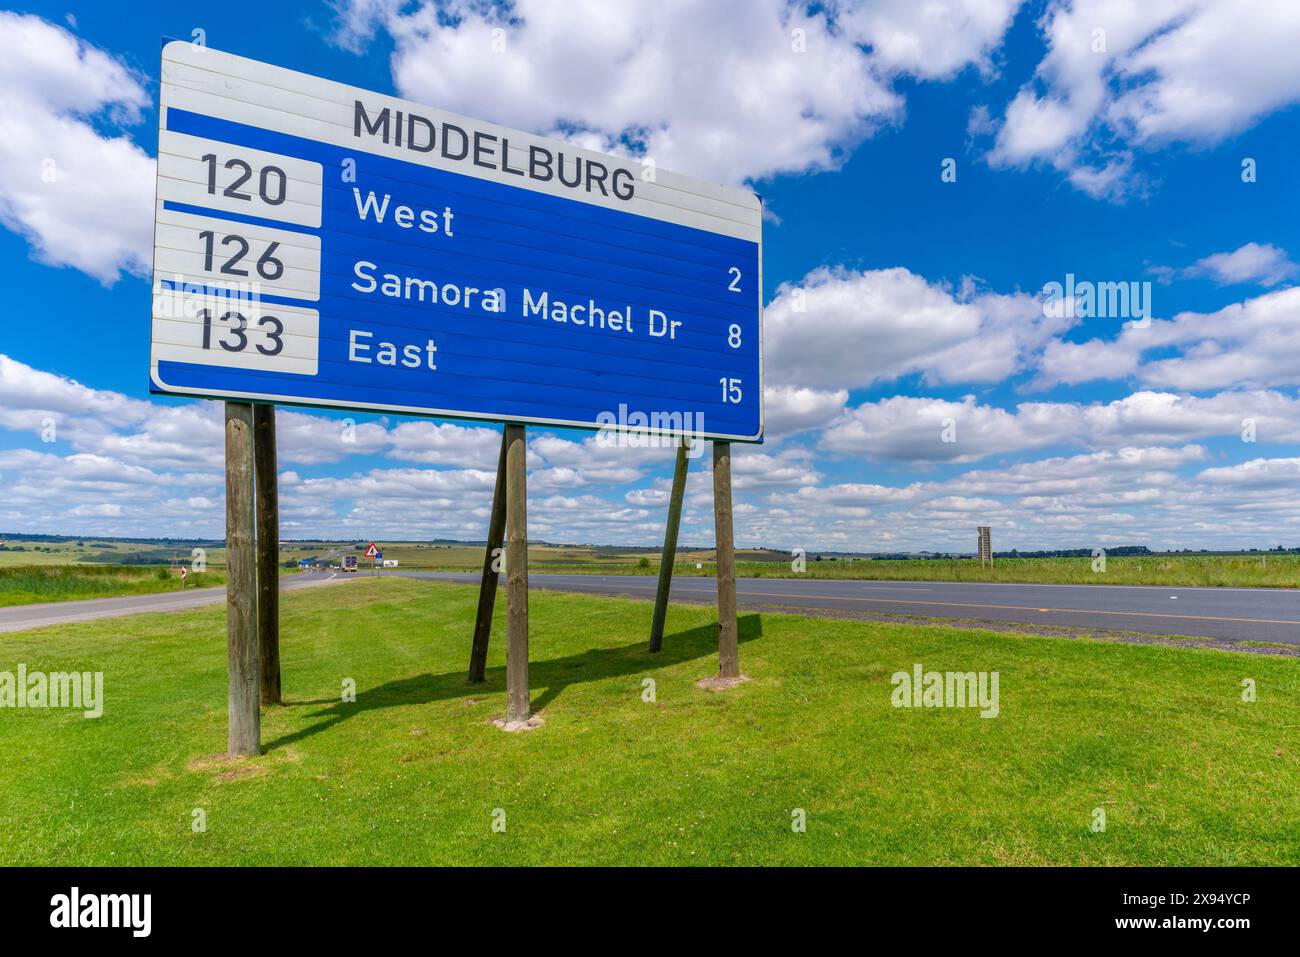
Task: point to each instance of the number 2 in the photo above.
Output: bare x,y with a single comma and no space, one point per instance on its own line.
735,278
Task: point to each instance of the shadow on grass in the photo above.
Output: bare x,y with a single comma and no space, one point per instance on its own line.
553,675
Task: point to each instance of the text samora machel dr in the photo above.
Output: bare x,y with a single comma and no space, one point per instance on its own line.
363,348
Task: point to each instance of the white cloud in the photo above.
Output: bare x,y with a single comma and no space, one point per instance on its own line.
1253,344
1074,362
36,394
81,199
1120,77
922,431
751,469
1255,474
1164,417
727,93
768,109
1254,262
846,495
1129,466
446,444
931,40
789,409
843,330
912,429
307,439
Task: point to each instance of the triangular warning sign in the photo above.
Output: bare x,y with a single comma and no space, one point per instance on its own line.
372,550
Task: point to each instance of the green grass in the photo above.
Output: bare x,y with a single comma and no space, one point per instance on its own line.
29,584
412,772
1240,571
19,551
1272,569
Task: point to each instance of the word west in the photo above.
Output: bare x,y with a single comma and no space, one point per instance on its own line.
948,689
36,689
1097,300
403,216
103,910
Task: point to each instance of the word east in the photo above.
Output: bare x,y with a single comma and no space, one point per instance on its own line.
362,348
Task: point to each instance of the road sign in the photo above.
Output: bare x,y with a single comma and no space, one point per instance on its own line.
324,245
371,550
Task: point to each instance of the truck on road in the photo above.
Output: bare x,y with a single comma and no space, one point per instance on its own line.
349,563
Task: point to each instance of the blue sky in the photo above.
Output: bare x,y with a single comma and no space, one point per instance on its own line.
917,384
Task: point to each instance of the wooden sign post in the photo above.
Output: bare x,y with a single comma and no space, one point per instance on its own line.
728,648
243,697
508,523
487,587
669,554
518,706
268,551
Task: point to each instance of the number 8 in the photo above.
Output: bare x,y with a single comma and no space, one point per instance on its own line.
733,336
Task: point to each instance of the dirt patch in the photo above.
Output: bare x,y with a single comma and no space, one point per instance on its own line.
242,771
228,768
530,724
211,762
721,684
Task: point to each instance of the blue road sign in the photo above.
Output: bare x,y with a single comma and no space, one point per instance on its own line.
323,245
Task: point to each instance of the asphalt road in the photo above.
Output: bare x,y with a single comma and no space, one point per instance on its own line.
1230,614
23,617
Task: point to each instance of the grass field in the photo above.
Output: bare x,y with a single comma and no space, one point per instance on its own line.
100,551
29,584
1247,570
1272,569
413,772
1214,571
